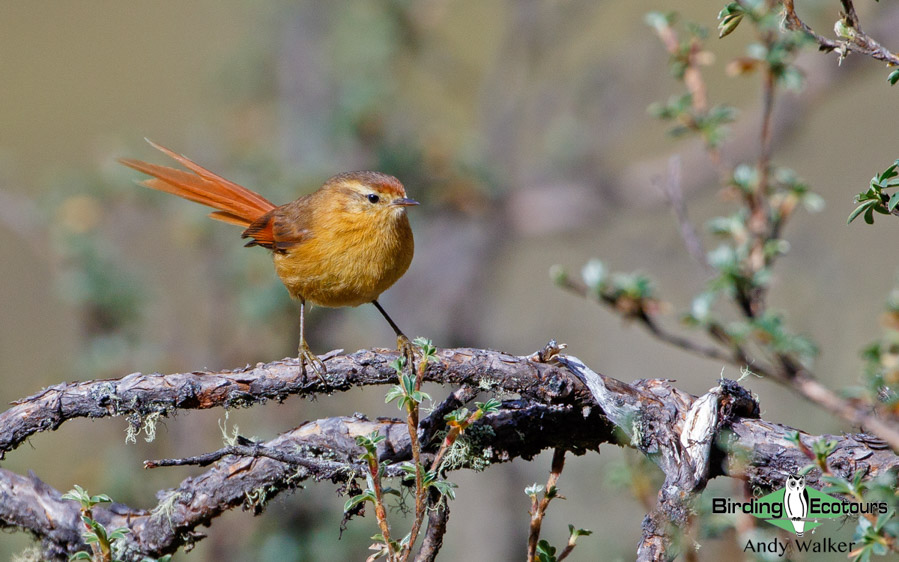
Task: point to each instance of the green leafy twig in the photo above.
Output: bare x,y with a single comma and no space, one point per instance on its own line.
95,534
427,482
691,111
743,263
374,492
540,550
409,396
876,199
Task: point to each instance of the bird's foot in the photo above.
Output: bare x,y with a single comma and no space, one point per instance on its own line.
306,357
407,350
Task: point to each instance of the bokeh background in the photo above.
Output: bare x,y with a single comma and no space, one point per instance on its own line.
521,126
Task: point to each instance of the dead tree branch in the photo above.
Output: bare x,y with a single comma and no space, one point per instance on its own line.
559,405
139,395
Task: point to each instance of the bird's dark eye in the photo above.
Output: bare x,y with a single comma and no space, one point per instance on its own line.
372,198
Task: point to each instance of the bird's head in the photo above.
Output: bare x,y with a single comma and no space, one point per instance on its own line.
369,196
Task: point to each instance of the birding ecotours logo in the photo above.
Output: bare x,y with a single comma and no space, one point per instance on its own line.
795,507
796,502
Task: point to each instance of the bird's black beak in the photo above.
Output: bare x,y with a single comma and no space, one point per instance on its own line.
404,202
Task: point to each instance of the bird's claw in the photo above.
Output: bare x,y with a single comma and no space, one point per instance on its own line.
407,349
306,357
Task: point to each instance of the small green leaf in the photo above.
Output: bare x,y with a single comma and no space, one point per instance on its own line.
883,519
860,209
398,364
427,349
445,488
894,200
837,485
732,8
490,406
409,469
367,495
893,77
574,533
552,492
842,29
545,551
728,24
888,173
119,533
457,416
393,394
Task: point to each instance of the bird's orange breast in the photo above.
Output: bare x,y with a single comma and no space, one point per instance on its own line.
347,260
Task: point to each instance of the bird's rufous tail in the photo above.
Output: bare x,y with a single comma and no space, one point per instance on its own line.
234,204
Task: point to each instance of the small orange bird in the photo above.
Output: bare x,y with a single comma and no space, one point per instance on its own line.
342,245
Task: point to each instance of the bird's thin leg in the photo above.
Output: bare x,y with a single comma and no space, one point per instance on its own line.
304,353
402,342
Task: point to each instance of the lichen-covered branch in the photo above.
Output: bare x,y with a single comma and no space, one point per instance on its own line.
560,405
139,395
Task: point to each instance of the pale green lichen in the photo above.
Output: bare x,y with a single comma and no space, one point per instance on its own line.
257,498
138,424
166,507
471,449
486,383
230,440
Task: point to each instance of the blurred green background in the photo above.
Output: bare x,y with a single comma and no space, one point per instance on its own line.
521,126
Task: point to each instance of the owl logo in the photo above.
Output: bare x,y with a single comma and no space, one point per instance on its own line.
796,502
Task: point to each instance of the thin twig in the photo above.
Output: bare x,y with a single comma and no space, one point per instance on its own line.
752,300
380,510
859,42
420,496
805,385
314,463
647,322
538,507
